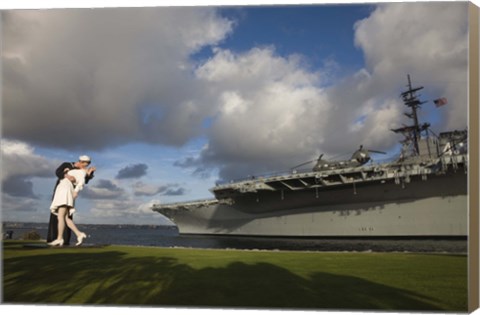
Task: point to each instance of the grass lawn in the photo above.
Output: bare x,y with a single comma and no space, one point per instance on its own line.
116,275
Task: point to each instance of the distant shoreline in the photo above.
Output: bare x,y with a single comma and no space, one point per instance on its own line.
13,224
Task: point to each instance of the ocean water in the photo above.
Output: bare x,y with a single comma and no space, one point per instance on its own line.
168,236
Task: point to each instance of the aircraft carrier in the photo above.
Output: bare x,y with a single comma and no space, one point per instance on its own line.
422,193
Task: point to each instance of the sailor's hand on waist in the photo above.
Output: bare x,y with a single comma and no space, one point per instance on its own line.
70,178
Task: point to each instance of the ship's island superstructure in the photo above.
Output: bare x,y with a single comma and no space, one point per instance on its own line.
423,193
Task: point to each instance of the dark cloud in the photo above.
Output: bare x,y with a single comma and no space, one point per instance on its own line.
132,171
199,169
115,70
107,184
20,159
186,162
104,189
143,189
18,186
170,191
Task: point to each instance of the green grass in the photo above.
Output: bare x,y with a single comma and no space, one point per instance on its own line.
116,275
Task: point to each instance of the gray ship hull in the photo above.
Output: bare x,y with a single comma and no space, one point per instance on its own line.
436,206
427,217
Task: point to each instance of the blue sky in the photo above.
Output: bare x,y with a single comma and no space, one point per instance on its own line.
319,33
180,98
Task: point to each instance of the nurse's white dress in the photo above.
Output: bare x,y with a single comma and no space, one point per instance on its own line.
63,196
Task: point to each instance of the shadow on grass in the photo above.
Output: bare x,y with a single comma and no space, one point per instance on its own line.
113,278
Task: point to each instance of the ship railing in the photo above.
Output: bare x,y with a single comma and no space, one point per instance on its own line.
261,176
290,172
186,203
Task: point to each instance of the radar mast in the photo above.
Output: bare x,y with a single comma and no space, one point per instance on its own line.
412,133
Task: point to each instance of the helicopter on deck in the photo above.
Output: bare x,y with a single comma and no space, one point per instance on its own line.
359,158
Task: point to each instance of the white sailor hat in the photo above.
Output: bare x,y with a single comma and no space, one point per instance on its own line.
84,158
